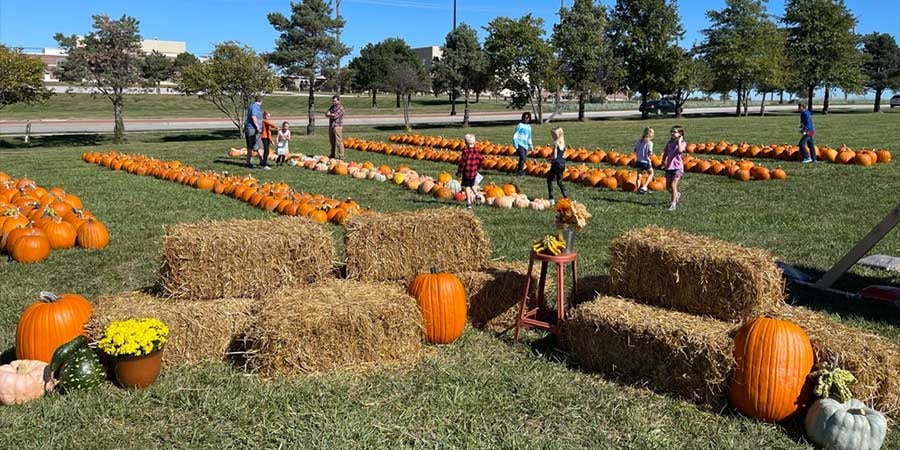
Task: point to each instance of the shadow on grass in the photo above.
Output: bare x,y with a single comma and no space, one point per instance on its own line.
212,135
60,140
8,356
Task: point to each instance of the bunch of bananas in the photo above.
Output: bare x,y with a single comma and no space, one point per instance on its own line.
549,245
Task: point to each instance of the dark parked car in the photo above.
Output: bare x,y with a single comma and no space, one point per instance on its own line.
661,106
895,101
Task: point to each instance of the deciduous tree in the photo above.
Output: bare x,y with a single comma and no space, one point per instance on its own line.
642,32
156,68
22,78
519,59
106,60
462,63
582,51
229,79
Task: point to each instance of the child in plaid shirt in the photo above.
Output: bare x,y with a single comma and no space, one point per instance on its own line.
469,165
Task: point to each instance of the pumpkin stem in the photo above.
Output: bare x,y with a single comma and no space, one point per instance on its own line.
856,411
48,297
434,269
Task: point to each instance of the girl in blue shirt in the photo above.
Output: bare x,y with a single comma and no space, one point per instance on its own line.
522,141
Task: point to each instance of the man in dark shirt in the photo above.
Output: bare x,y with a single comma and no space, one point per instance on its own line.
335,117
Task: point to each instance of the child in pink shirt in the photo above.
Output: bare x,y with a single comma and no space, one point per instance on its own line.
673,161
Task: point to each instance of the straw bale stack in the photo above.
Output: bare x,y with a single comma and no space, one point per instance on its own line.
874,360
397,246
668,351
334,324
694,274
244,258
198,331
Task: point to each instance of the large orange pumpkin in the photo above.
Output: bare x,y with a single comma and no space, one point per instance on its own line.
442,300
92,234
773,358
49,323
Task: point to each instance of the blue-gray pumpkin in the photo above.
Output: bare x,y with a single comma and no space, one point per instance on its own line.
845,426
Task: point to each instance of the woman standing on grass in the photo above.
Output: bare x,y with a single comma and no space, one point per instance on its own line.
522,141
557,163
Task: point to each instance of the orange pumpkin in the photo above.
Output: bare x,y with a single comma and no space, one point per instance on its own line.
60,234
442,300
30,249
92,234
49,323
773,358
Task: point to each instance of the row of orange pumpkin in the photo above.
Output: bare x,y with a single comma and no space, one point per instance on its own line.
785,152
273,197
442,187
590,176
34,221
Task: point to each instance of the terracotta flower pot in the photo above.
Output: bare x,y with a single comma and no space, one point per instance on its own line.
138,372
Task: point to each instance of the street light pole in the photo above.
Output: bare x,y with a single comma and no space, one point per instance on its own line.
337,73
454,14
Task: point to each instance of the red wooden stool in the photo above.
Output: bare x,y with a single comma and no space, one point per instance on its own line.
529,317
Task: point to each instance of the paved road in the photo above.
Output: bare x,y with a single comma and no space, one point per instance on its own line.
73,126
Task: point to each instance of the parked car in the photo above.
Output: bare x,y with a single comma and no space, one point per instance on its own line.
895,101
661,106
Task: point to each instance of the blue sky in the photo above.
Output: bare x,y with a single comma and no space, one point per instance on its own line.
202,23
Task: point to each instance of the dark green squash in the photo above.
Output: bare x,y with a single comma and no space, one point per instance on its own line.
79,367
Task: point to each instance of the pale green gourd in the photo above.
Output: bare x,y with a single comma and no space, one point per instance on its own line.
845,426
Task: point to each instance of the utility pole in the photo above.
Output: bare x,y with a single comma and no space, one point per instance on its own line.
454,14
337,73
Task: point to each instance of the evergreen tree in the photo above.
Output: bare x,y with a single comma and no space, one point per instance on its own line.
307,45
881,64
156,68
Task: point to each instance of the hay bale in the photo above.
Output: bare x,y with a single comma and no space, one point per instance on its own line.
244,258
668,351
334,324
397,246
694,274
874,360
493,294
198,331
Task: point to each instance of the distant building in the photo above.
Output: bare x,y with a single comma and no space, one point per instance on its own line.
51,57
427,55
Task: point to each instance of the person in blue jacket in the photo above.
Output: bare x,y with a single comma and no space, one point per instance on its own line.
522,141
807,145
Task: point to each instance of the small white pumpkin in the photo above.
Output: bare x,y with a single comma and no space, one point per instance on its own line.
521,203
454,186
24,380
371,174
845,426
426,186
536,205
504,202
379,177
361,174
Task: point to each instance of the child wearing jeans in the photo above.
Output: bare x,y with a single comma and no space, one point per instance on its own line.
643,149
266,136
673,161
557,163
469,165
284,138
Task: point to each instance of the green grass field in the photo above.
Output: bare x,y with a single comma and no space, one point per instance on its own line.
85,106
483,391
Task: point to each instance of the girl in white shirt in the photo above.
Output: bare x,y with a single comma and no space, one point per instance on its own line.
284,138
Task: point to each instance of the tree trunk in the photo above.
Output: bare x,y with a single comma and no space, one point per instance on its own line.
119,130
644,113
477,96
878,100
581,106
825,102
452,103
809,97
740,91
406,101
540,108
781,97
311,126
398,99
158,88
762,105
374,92
466,111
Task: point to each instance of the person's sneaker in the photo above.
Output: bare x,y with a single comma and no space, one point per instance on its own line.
672,207
642,190
469,206
267,168
806,161
552,202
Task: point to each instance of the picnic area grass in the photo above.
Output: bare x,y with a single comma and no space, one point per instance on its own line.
483,391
